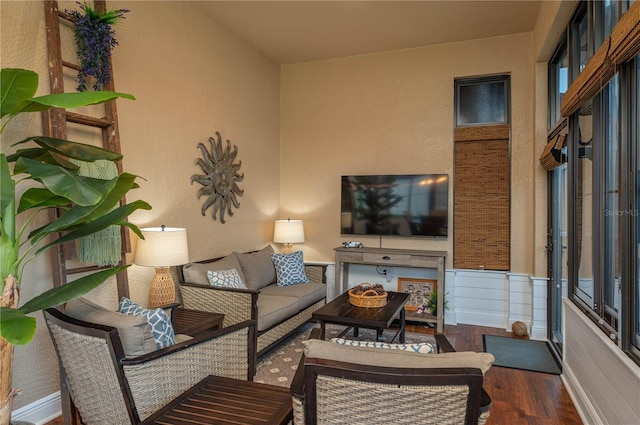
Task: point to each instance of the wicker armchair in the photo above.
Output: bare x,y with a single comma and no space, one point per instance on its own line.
327,389
107,388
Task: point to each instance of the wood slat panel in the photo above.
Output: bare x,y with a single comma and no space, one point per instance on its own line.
482,199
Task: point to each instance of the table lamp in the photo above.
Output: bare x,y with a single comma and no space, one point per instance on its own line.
162,247
288,232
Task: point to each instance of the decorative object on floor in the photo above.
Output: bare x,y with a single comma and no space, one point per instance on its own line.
94,40
420,292
288,232
368,295
279,365
519,328
161,248
525,354
220,179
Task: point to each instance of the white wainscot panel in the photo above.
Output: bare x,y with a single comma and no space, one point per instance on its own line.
481,298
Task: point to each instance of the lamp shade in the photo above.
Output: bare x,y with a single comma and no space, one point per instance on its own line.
162,247
288,231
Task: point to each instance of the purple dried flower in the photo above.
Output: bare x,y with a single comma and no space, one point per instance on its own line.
94,39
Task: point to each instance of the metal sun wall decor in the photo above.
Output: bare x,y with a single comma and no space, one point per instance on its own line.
220,179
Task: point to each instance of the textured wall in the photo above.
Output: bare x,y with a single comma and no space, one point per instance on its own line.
191,77
392,113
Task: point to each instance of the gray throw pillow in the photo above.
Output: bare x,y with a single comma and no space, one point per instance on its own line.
257,267
134,331
197,272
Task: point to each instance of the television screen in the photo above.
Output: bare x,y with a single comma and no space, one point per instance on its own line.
398,205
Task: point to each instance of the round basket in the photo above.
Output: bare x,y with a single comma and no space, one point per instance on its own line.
365,300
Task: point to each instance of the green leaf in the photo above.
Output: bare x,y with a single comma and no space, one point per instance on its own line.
9,252
7,187
16,85
67,100
40,198
75,150
40,155
63,182
16,327
69,291
114,217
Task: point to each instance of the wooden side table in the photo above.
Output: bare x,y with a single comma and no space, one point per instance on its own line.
218,400
194,322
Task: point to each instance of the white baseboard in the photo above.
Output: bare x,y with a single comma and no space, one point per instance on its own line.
40,411
472,318
581,401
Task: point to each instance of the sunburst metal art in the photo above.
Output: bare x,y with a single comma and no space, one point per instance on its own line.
220,179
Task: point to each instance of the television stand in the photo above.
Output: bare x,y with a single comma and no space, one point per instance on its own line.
413,258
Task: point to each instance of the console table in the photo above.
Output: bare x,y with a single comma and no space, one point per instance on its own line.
413,258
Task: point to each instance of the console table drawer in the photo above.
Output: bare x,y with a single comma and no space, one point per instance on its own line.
387,258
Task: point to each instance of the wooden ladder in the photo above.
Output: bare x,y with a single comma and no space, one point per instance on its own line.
55,125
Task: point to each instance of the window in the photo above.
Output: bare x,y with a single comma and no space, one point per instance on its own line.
482,101
603,175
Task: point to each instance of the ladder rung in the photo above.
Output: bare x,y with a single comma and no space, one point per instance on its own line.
87,120
86,269
71,65
65,15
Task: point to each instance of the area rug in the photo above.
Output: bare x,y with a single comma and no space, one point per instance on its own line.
524,354
279,365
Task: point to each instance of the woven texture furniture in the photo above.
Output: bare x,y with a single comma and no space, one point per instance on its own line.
239,305
337,392
107,388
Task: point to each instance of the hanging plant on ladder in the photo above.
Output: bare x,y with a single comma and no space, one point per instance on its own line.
94,40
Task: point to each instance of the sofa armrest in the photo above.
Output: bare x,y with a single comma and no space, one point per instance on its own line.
159,377
237,305
297,383
443,345
316,272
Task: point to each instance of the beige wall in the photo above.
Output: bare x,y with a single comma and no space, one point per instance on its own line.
392,113
191,77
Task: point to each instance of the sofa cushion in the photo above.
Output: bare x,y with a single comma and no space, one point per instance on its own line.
226,279
197,272
257,268
289,268
306,294
134,331
424,348
161,327
274,309
393,358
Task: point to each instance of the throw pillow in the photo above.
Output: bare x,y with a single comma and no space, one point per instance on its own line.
197,272
289,268
161,327
226,279
424,347
257,268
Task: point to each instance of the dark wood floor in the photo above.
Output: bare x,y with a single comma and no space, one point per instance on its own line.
519,397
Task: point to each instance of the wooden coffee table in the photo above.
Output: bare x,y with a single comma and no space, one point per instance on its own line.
341,312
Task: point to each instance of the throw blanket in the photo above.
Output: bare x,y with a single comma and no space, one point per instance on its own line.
102,248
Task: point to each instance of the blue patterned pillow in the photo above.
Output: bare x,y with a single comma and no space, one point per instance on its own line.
158,320
226,278
289,268
424,347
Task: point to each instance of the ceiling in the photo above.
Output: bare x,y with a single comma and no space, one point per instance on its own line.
300,31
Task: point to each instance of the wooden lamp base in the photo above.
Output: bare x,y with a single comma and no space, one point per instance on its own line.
162,290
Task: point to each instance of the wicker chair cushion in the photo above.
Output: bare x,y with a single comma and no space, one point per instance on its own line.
289,268
315,348
273,309
424,348
307,294
258,268
197,272
134,331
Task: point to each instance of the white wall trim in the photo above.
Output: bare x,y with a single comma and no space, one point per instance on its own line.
40,411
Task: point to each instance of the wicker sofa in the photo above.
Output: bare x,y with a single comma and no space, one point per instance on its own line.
278,310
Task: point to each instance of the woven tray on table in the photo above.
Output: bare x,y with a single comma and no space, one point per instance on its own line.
369,298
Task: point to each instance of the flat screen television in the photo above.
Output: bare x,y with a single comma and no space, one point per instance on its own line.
395,205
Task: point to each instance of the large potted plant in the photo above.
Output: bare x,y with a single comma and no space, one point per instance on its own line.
52,181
